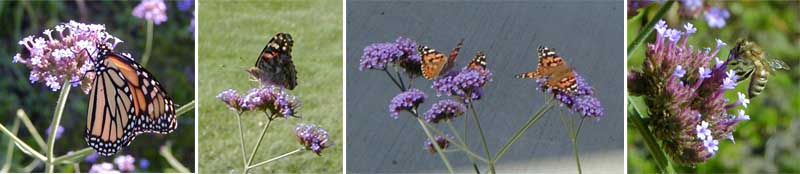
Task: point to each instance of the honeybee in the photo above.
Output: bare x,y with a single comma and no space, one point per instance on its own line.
749,60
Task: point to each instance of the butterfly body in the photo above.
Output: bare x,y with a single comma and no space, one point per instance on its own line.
435,63
553,67
274,65
125,101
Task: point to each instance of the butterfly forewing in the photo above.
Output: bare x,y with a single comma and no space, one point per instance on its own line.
435,63
274,65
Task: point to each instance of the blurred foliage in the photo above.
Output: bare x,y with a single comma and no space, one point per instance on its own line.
769,142
172,61
233,34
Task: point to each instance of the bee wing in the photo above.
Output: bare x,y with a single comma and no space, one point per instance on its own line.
776,64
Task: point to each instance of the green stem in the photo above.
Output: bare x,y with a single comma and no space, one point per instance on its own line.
435,145
241,137
149,44
166,152
69,158
464,144
22,145
535,118
258,144
62,98
575,145
32,129
463,148
185,108
483,137
278,157
10,149
648,28
635,117
394,80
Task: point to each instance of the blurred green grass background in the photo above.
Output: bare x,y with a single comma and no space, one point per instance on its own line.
770,141
171,61
231,36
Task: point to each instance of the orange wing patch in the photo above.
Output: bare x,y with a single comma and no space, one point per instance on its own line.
560,76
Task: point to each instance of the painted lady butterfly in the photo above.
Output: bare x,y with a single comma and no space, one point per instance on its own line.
274,66
479,62
560,76
434,63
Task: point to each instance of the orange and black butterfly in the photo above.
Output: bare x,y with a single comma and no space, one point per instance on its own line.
479,62
434,63
274,65
125,101
551,66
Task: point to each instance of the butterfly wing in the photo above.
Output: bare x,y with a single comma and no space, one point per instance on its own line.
560,76
275,66
479,62
433,62
126,100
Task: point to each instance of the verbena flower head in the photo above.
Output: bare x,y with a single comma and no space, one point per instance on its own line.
59,131
274,98
466,84
231,98
377,56
635,5
406,101
582,102
91,158
144,163
442,141
689,112
312,137
402,52
151,10
63,56
103,168
690,8
184,5
716,16
125,163
444,110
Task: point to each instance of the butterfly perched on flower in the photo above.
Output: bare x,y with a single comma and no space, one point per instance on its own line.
479,62
435,63
274,65
551,66
126,100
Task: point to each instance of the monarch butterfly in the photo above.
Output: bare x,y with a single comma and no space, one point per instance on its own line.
125,101
434,63
274,65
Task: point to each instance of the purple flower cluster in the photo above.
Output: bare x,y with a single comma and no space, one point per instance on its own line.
402,52
272,98
406,101
184,5
685,94
64,56
635,5
716,16
690,8
582,102
125,163
231,98
466,84
103,168
312,137
444,110
59,131
442,141
151,10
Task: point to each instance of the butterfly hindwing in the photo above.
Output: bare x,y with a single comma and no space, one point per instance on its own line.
274,65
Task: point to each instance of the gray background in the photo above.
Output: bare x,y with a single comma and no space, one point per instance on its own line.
588,34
